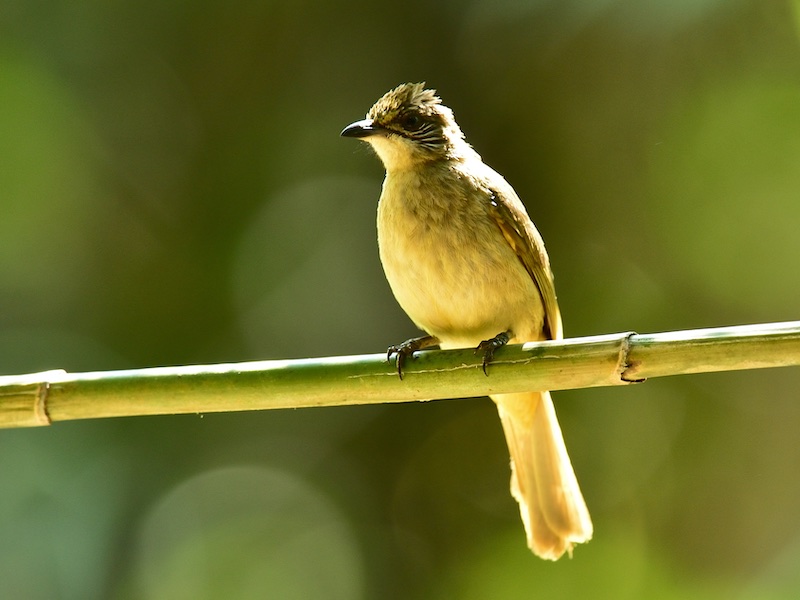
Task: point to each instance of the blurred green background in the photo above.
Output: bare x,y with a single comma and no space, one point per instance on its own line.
174,190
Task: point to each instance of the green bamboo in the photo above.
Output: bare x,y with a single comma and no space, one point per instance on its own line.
616,359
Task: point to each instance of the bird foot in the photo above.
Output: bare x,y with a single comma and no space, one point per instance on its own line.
489,346
408,348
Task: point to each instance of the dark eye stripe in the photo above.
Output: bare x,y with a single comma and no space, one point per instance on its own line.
427,133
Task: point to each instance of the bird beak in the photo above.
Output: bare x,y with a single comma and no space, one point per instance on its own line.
360,129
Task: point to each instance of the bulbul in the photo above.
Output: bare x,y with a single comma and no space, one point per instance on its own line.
466,263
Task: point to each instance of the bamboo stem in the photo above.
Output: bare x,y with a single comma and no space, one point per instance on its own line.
616,359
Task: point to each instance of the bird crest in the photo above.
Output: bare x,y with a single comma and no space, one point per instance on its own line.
405,97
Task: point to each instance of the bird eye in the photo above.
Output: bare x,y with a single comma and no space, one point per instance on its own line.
411,122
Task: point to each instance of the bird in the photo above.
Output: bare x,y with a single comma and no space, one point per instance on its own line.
468,266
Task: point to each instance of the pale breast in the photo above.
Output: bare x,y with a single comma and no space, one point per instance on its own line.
447,263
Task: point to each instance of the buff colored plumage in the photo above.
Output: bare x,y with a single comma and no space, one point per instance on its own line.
466,263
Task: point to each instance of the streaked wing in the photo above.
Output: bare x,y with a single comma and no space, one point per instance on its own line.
521,235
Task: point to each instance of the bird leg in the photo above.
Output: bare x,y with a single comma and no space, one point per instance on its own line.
408,348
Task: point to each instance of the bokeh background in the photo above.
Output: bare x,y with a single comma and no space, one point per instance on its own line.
173,190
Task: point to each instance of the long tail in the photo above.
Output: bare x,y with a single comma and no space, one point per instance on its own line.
542,480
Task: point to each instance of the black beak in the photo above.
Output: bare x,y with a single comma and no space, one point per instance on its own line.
360,129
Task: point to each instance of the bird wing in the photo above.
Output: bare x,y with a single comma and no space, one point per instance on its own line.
514,223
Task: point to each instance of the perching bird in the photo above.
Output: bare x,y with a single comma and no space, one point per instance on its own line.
466,263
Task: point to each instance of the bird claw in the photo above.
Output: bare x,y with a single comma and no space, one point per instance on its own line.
402,351
489,346
407,348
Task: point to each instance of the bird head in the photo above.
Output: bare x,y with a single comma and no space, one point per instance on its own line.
409,125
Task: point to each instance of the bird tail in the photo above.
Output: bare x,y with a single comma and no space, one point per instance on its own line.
542,480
